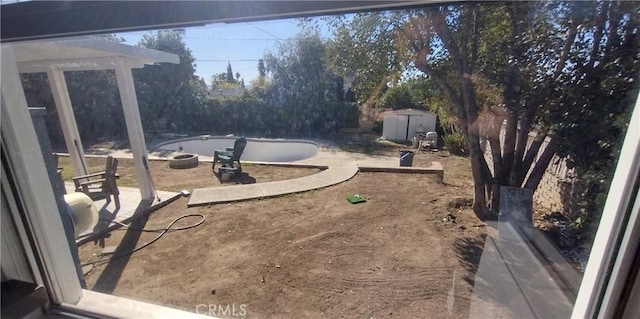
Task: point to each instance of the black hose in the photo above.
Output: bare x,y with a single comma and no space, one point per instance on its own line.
161,232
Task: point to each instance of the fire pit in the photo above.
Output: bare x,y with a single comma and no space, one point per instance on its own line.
184,161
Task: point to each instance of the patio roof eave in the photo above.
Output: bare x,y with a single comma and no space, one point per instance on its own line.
84,54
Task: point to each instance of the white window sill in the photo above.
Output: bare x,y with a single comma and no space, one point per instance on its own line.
94,304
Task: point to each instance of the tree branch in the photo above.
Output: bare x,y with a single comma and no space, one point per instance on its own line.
446,89
614,21
474,42
496,148
541,165
532,152
440,27
564,54
465,21
521,144
597,37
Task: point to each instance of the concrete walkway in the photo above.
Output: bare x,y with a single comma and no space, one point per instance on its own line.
331,176
338,166
514,281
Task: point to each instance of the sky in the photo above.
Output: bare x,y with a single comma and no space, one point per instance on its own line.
241,44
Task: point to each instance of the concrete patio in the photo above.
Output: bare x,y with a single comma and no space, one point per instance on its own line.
131,206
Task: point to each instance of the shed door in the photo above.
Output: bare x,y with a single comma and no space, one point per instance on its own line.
401,128
389,127
414,123
429,122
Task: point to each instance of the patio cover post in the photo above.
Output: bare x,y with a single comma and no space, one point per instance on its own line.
127,90
67,120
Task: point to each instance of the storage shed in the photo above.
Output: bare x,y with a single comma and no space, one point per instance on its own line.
401,125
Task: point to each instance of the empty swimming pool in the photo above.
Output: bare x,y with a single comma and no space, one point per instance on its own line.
257,149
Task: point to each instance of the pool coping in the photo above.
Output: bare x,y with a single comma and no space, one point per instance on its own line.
157,146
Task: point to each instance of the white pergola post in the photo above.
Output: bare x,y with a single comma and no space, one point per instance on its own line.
37,199
127,90
67,120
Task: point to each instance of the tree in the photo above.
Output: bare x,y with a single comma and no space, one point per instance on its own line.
412,93
217,80
260,84
262,70
604,88
303,91
363,47
230,77
492,67
168,92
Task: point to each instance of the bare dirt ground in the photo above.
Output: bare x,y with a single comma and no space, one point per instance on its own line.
169,179
410,251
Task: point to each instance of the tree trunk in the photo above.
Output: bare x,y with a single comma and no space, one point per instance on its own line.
541,165
510,137
479,199
496,156
518,165
532,152
478,163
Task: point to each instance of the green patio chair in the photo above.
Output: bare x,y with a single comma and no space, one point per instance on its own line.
230,155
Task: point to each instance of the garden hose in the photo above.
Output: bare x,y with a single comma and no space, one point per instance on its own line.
161,232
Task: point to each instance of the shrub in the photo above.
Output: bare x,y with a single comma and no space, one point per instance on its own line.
377,127
456,144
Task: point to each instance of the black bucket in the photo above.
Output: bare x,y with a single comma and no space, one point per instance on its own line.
406,158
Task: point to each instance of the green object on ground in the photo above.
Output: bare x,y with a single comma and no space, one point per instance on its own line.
356,198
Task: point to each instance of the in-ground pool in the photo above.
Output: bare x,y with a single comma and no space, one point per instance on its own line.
257,149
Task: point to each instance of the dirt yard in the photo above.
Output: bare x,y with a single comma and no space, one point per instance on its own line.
175,180
409,251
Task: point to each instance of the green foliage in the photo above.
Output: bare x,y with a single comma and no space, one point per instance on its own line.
250,115
218,79
363,45
399,97
95,102
412,93
167,94
171,98
456,143
596,107
230,77
303,93
262,70
38,94
226,80
564,69
94,98
378,126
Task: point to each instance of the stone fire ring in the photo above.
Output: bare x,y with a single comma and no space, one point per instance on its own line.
184,161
